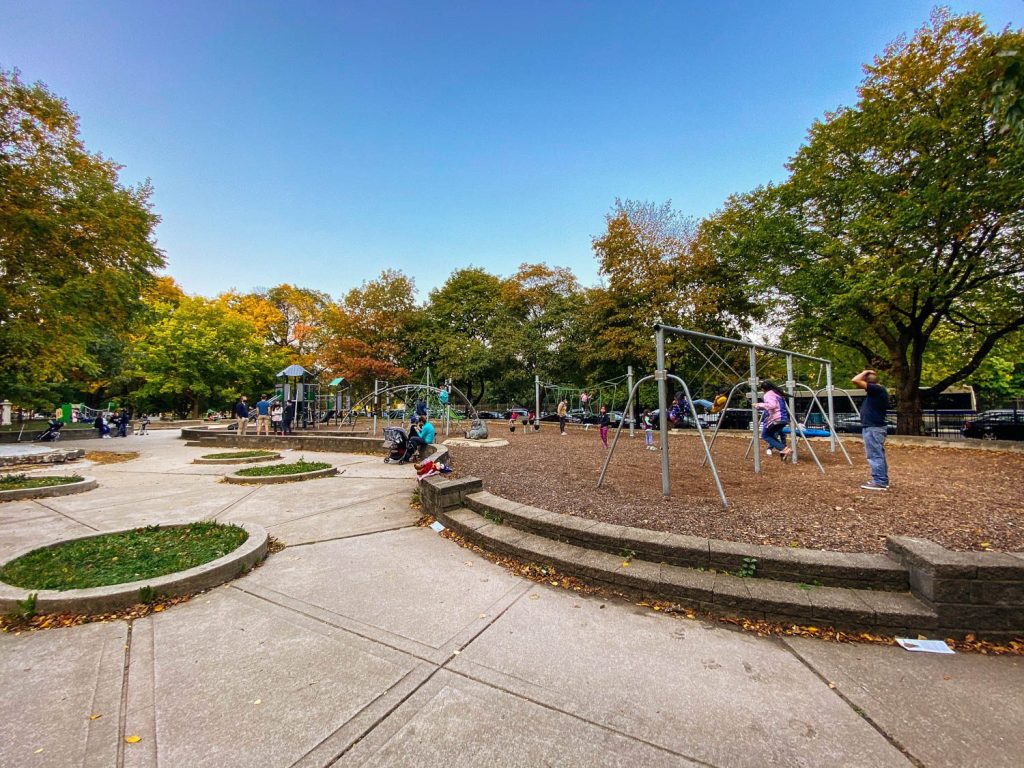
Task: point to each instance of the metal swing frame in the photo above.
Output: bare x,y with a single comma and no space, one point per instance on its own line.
662,376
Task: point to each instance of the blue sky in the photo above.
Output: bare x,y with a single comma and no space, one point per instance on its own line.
319,143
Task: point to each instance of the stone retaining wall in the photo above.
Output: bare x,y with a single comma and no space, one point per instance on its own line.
919,585
976,591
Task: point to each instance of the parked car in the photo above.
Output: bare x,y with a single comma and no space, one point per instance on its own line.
488,415
995,425
852,425
521,414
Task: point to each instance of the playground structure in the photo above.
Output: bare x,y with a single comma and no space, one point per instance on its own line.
760,358
437,400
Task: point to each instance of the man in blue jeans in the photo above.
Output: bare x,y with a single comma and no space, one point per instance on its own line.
872,419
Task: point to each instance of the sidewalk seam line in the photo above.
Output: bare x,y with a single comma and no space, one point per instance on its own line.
122,718
857,710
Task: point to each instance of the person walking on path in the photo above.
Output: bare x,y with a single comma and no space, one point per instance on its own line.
144,424
648,423
242,414
276,415
604,423
872,419
563,411
776,419
263,417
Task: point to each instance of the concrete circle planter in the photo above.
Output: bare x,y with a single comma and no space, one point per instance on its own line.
250,460
65,489
118,596
274,479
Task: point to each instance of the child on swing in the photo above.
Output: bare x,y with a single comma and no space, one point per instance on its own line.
776,419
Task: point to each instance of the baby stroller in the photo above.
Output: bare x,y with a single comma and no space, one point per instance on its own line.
51,433
397,443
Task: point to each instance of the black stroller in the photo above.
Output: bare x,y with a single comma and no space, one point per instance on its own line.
397,443
52,432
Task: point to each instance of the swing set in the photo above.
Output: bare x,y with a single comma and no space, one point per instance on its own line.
738,364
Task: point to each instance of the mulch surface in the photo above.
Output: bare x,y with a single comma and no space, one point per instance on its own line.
962,499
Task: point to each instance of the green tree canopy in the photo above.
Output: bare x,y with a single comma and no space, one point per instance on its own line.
76,246
198,354
902,217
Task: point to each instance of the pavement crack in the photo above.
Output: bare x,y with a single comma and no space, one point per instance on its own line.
237,501
67,516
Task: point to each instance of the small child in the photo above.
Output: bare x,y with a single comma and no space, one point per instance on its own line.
144,424
648,423
604,423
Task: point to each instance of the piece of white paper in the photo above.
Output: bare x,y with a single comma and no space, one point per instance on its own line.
436,527
924,646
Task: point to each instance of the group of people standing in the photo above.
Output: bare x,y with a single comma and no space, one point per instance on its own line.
270,416
106,424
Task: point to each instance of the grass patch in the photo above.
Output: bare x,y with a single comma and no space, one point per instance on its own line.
19,482
295,468
117,558
240,455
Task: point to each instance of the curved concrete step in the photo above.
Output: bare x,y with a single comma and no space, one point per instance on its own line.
809,566
706,590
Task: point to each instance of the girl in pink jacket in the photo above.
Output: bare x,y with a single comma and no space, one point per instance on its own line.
776,419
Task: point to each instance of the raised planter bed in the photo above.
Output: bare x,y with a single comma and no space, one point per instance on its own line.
118,596
294,477
49,491
209,459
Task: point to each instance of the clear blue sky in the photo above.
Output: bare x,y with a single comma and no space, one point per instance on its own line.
319,143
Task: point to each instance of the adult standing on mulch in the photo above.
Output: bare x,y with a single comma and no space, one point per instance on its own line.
563,411
242,414
872,419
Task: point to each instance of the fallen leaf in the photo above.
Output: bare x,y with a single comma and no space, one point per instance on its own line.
133,739
95,717
39,750
535,596
456,653
258,701
831,685
625,563
157,608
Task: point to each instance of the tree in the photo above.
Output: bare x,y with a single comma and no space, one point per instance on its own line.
902,217
76,247
470,334
370,330
198,353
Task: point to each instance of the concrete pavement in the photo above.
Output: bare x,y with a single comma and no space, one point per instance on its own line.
370,642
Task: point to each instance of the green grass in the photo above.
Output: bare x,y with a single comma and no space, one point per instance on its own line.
240,455
283,469
117,558
19,482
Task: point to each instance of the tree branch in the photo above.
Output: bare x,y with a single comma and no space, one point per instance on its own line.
972,365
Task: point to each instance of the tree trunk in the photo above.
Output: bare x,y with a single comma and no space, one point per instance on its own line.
908,409
195,407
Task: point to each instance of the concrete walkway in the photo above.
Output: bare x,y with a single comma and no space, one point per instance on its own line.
369,641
